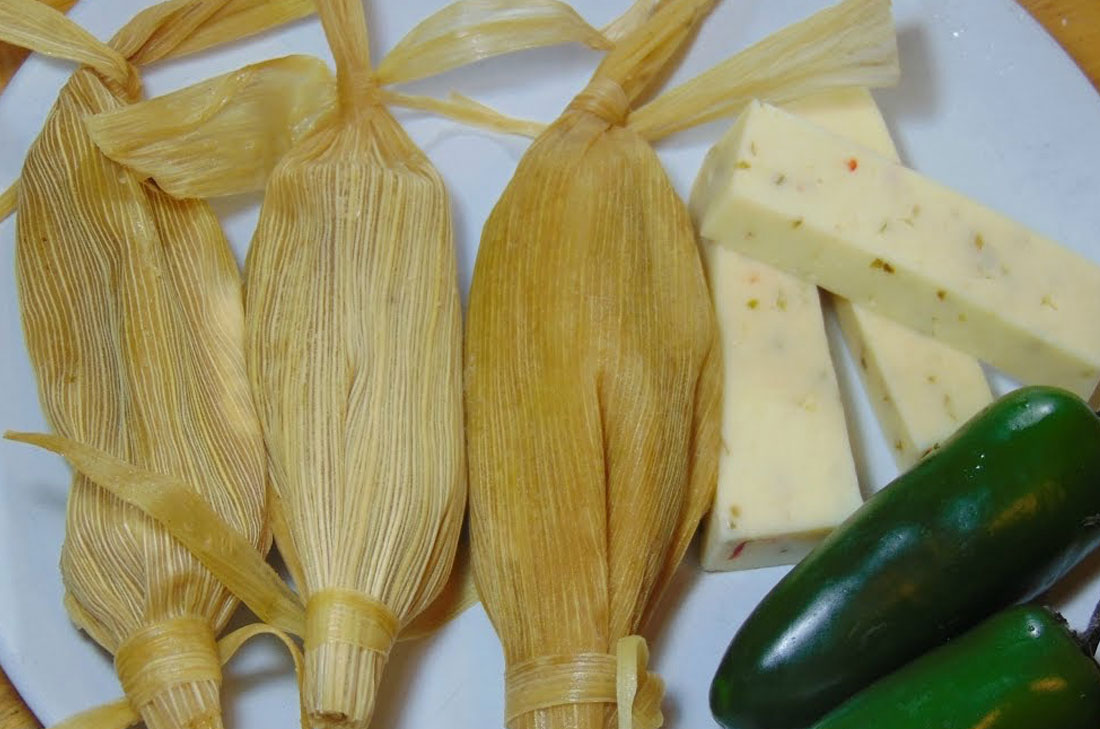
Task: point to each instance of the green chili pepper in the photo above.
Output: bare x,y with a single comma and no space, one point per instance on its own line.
1021,669
1008,505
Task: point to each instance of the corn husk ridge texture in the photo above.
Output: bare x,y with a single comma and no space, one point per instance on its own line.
355,358
133,317
592,392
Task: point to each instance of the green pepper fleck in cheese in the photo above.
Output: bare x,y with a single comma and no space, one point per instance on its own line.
786,476
921,390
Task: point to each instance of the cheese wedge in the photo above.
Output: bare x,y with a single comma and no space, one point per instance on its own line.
786,476
835,214
921,390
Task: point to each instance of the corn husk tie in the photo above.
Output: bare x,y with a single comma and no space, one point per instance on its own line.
593,378
219,137
169,30
174,666
133,317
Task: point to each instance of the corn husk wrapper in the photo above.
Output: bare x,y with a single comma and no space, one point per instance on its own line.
592,372
132,312
12,57
363,414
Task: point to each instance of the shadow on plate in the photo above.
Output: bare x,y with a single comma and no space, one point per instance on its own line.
915,97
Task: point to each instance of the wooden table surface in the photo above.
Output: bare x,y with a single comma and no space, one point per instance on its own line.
1076,25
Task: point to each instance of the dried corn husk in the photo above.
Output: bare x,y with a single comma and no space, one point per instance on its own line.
592,372
171,29
209,151
354,348
362,415
202,140
132,312
12,57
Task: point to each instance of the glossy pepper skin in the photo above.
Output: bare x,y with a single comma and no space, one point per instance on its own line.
1007,505
1020,669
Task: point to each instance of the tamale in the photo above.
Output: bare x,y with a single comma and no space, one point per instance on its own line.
354,351
592,366
133,317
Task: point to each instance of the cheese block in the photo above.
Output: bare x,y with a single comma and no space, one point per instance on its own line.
786,476
920,389
836,214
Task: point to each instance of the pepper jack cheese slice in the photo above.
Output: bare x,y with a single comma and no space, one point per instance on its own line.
786,475
921,390
868,229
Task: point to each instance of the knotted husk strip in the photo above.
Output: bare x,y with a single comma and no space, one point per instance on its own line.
146,675
592,369
202,141
12,56
132,313
168,30
227,140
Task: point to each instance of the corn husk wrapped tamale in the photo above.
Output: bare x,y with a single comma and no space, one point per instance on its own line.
354,351
132,312
592,369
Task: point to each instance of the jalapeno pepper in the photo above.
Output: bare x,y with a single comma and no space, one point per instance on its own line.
1002,510
1020,669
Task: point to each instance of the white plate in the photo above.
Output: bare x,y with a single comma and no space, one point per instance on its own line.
988,104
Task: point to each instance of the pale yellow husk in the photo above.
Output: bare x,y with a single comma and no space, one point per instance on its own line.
12,56
202,140
592,372
234,128
197,24
228,554
354,350
592,396
354,340
121,714
132,313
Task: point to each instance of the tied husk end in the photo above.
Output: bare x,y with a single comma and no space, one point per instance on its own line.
577,690
348,640
171,673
